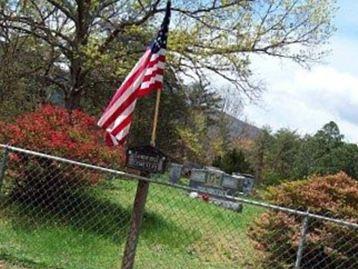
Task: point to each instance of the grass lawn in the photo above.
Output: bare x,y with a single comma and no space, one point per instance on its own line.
178,232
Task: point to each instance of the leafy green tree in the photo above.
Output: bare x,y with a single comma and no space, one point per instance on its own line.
202,131
89,45
326,153
274,154
282,155
259,153
203,98
233,161
21,61
347,159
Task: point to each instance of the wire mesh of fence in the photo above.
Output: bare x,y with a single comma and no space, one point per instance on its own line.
56,213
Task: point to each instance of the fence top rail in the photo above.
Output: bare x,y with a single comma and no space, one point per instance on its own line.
129,176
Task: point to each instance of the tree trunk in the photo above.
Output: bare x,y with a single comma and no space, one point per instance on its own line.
73,99
77,72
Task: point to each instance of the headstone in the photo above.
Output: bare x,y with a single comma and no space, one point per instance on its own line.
208,180
175,172
248,183
214,177
234,206
146,159
197,178
217,182
231,182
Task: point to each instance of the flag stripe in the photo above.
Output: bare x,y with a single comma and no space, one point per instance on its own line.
158,72
123,133
122,93
122,106
150,82
126,93
110,140
122,139
131,77
129,110
123,124
153,69
146,76
154,62
157,86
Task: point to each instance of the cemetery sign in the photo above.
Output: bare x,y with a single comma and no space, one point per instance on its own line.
146,159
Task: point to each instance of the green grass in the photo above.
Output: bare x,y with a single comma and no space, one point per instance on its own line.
177,232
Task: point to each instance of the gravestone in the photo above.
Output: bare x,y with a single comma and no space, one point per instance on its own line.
217,182
175,171
247,182
208,180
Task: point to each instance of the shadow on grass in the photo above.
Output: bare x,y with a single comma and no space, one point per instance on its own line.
89,210
23,262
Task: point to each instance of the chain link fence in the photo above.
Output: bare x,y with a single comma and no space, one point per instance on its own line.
58,213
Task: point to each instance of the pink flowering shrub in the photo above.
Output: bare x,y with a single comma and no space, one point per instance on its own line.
327,245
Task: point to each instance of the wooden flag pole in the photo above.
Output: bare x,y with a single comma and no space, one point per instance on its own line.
155,120
143,185
136,221
139,202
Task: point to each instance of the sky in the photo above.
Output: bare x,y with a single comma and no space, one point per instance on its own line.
304,100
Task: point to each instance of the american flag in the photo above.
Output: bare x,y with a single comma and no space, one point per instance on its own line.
146,76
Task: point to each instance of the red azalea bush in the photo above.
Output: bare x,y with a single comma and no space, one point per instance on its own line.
327,244
57,131
60,132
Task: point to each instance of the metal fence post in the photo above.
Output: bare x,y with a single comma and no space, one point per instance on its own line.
136,220
3,166
302,241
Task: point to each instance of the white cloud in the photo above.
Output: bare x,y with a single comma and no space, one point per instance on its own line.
345,54
306,100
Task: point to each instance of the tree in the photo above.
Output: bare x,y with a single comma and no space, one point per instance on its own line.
330,135
348,159
326,153
283,154
90,44
18,92
202,131
260,152
274,155
233,161
201,98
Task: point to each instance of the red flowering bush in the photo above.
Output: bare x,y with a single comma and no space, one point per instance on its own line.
327,244
56,131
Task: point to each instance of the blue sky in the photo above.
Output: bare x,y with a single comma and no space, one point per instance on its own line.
304,100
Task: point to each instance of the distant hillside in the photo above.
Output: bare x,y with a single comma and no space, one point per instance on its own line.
238,128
